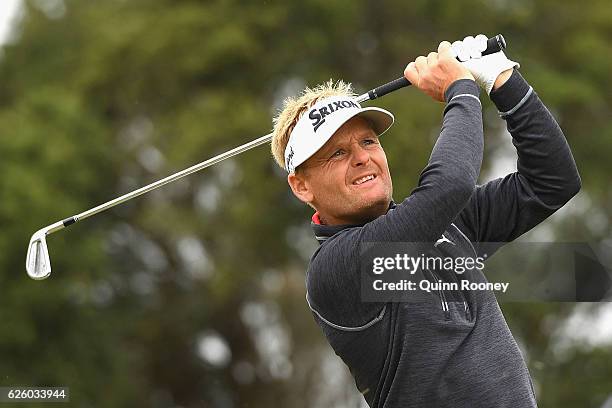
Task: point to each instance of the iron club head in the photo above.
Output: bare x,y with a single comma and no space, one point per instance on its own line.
38,264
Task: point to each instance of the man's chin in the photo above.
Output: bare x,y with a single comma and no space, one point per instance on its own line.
372,209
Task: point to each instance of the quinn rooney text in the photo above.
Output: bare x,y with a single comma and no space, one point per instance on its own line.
427,286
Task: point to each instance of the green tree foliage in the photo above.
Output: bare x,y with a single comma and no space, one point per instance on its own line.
193,295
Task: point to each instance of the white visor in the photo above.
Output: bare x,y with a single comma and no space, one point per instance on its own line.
317,125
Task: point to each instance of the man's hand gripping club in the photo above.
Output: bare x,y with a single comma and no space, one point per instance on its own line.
436,72
490,71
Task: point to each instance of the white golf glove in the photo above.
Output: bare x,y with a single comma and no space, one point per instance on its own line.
486,68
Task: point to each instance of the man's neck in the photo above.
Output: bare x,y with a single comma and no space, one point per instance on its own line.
325,219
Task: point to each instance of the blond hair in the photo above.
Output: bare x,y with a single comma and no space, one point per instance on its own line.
293,109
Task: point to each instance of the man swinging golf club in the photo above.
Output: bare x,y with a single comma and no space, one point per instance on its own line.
457,350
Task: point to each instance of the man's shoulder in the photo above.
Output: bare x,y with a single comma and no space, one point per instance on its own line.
333,283
335,249
342,242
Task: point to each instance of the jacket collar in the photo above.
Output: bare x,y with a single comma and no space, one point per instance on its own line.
322,232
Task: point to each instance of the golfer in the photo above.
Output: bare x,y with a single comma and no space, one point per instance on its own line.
455,350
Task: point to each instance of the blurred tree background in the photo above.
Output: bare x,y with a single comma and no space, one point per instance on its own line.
193,295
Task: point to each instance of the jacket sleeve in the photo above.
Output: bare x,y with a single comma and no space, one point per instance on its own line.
547,177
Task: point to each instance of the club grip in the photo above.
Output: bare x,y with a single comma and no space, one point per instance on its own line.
388,87
494,44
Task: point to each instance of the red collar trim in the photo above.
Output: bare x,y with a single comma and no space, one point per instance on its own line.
316,219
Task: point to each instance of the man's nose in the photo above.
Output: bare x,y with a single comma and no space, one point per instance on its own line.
359,156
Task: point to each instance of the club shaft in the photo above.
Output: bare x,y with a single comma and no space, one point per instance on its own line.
169,179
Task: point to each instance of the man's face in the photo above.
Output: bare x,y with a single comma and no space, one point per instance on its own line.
348,179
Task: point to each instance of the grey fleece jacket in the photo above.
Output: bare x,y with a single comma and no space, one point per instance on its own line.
457,350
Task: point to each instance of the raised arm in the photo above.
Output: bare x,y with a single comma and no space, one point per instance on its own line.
448,181
547,177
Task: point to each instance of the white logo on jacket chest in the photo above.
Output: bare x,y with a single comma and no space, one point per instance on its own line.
443,239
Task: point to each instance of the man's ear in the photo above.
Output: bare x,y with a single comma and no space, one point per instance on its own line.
300,187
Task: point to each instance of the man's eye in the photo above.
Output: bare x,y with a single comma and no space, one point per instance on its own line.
337,153
369,141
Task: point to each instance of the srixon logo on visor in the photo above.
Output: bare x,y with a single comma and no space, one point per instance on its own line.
318,115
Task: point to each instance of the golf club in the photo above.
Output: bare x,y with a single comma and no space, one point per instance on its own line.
38,263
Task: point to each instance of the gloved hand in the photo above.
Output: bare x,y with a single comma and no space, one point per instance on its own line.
485,69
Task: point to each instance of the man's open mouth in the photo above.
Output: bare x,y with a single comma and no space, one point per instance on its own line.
364,179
